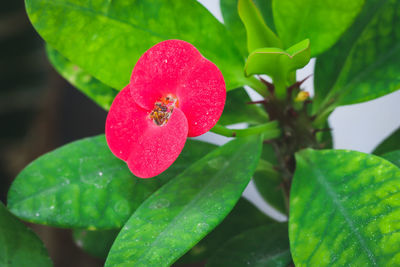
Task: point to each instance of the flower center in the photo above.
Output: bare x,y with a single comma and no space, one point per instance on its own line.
163,109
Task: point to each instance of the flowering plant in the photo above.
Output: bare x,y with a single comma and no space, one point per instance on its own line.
174,93
190,72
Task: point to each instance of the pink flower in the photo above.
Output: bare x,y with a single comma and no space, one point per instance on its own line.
174,93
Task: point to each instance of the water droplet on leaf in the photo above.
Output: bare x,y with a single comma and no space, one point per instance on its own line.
161,203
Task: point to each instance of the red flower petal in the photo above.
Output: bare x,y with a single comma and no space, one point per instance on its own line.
125,123
160,69
174,92
202,97
159,146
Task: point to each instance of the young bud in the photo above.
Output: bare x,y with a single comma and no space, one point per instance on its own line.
302,96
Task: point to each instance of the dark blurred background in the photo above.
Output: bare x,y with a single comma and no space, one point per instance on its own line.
39,111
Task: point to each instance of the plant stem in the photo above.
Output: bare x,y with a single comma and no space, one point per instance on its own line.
292,77
325,108
257,86
280,87
269,130
266,166
323,116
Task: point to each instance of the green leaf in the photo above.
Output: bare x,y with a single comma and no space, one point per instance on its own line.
393,157
229,10
100,93
258,33
365,64
237,110
344,210
183,211
330,64
263,246
276,62
83,185
269,186
322,21
234,25
265,7
324,137
244,216
96,243
389,144
107,38
268,181
19,246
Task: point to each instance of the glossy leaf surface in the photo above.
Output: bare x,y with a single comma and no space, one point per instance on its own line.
265,7
365,64
100,93
96,243
19,246
263,246
392,142
330,64
393,157
234,25
274,61
83,185
244,216
232,21
188,207
238,110
322,21
344,210
107,38
258,34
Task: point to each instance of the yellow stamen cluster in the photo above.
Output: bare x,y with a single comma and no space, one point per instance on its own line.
301,96
162,110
